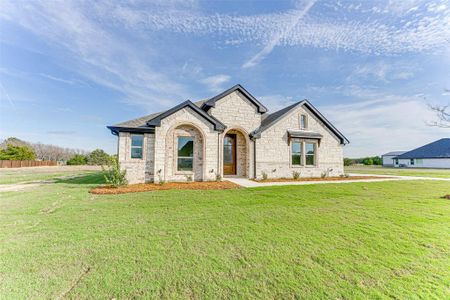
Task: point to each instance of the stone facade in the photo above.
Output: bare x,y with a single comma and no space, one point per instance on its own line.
273,154
241,117
138,170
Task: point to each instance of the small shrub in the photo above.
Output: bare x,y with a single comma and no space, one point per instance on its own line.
264,175
114,176
218,177
296,175
188,178
160,180
323,175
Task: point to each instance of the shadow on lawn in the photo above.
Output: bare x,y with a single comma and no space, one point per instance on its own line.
92,178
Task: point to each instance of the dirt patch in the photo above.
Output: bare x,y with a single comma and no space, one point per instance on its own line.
145,187
446,196
319,179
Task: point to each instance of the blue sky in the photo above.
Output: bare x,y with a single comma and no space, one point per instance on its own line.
69,68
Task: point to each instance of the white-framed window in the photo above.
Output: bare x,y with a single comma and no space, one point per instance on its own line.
303,121
137,142
412,161
296,152
310,153
185,153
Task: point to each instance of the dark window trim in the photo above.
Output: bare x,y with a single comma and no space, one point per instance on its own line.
136,147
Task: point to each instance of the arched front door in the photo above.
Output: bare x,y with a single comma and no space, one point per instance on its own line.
229,154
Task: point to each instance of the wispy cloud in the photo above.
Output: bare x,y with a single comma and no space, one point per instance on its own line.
215,83
275,40
97,54
68,81
388,27
379,124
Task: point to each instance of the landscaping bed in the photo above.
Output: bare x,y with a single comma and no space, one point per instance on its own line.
319,179
145,187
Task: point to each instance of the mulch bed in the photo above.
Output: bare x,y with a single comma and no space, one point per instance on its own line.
319,179
146,187
446,196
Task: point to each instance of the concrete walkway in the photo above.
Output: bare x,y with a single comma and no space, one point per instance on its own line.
250,183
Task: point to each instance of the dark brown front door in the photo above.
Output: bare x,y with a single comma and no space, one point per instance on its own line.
229,154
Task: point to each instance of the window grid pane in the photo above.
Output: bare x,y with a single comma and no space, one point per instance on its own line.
310,153
296,153
185,160
137,141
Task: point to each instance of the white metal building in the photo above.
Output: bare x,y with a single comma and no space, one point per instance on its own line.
388,158
433,155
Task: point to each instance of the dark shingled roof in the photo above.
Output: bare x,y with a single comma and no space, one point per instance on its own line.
437,149
147,123
274,117
142,121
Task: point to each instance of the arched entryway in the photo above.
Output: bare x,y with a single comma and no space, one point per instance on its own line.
235,153
184,153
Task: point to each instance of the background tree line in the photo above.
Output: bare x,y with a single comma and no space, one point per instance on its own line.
368,161
15,149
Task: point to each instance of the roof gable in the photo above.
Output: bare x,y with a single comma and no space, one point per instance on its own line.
436,149
278,115
156,121
212,101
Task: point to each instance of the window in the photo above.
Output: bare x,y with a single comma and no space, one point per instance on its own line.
137,140
310,154
296,153
412,161
303,122
185,153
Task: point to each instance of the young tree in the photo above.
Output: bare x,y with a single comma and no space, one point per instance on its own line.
99,157
17,153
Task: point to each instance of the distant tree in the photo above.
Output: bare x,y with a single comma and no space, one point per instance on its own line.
368,161
17,153
77,159
377,160
12,141
99,157
348,161
442,115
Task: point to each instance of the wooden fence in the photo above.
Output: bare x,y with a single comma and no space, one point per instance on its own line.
26,163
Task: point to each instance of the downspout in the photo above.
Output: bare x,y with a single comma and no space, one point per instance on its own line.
254,158
218,155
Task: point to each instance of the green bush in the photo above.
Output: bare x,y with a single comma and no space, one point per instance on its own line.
77,159
114,176
348,162
17,153
296,175
99,157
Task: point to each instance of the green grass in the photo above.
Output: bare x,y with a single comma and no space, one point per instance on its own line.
23,175
359,240
437,173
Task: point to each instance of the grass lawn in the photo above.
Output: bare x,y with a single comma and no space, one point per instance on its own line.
358,240
21,175
438,173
